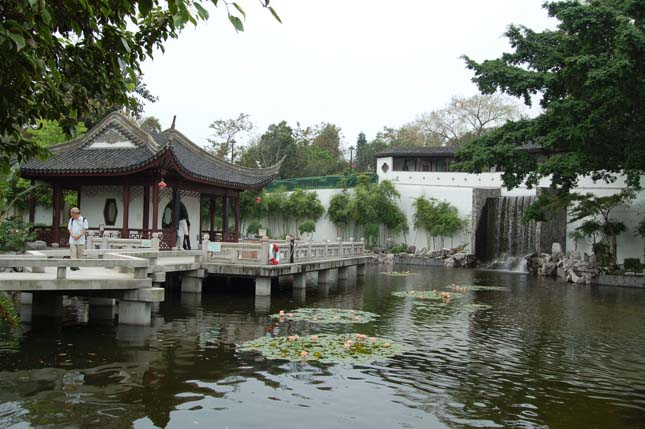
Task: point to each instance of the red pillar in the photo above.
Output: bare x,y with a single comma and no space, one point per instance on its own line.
32,206
237,219
155,207
125,233
58,204
211,217
146,206
224,217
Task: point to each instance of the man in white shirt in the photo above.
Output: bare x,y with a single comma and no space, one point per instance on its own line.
77,228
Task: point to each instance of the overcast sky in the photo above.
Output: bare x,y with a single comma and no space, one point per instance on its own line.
360,64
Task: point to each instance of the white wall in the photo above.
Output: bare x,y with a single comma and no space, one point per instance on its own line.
629,244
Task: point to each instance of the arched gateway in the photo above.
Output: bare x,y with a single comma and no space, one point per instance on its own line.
126,177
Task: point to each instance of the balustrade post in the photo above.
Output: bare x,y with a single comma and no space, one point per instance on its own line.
205,242
105,241
351,240
309,255
340,246
326,248
155,241
264,251
90,240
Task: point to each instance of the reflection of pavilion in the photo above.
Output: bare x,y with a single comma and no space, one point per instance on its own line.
120,173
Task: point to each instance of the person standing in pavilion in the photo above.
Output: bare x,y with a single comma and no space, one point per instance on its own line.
77,228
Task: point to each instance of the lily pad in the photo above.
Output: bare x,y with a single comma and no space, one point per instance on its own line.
460,288
436,295
398,273
326,315
477,307
326,348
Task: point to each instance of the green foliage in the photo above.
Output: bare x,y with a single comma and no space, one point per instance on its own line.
326,315
433,295
590,74
150,124
226,133
633,264
254,227
8,312
339,211
49,133
640,229
399,248
437,218
307,227
60,57
14,233
326,348
597,222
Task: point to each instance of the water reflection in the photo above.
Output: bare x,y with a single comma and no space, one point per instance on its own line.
544,354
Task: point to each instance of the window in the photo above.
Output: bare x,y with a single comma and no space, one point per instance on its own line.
167,219
110,211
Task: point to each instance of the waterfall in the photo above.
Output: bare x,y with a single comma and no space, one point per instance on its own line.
513,238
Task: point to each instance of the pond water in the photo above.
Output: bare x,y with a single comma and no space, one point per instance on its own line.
544,354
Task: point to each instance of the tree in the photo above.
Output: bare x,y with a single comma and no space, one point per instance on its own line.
437,219
226,133
59,57
590,76
338,212
595,214
47,133
276,143
150,124
467,118
362,161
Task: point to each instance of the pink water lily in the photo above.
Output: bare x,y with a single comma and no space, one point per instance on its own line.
290,315
292,337
281,313
314,338
372,340
304,354
361,336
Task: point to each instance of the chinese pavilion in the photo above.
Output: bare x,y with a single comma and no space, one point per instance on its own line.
131,183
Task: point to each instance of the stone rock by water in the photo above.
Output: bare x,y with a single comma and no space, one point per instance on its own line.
36,245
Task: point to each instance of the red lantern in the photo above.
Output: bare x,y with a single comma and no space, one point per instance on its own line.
161,184
258,200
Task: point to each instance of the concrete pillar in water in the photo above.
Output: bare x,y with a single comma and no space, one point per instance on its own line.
47,304
299,281
190,299
324,277
135,313
299,295
262,304
101,309
360,270
191,285
343,273
26,298
263,286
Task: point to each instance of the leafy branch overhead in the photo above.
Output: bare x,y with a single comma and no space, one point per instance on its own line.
59,56
589,74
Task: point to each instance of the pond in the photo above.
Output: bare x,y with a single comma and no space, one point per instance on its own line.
533,354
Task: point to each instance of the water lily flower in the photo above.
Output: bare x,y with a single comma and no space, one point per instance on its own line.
361,336
281,313
304,354
290,315
386,344
292,337
372,340
314,338
357,318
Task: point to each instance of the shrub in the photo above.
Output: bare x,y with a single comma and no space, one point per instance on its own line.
633,264
399,248
307,226
14,233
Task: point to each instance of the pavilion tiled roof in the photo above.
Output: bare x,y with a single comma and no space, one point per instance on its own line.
118,146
